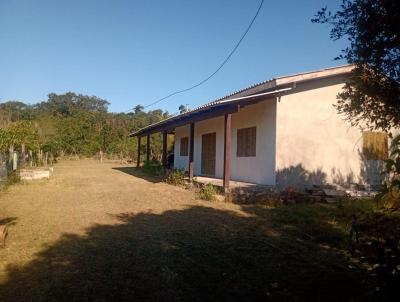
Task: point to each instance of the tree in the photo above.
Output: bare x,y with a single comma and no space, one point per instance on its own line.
17,134
183,109
371,96
75,124
70,103
138,109
16,110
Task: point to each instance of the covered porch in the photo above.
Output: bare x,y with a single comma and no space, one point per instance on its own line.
223,110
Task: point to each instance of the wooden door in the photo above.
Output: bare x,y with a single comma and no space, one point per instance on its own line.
208,152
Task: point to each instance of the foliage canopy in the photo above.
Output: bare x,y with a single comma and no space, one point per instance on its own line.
372,94
75,124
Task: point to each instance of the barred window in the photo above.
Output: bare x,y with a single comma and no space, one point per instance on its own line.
246,142
375,145
184,146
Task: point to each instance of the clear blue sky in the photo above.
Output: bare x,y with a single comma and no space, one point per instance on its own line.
132,52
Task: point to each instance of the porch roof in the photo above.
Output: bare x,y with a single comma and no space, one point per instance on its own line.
232,102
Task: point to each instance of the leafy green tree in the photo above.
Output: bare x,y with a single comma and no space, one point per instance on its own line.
138,109
24,133
70,103
372,94
4,140
182,109
17,110
76,124
18,134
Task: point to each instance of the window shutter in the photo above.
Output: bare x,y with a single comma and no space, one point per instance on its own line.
184,148
246,142
375,145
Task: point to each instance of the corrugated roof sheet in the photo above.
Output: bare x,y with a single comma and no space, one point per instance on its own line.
274,82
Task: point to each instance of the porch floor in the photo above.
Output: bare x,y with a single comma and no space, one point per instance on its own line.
219,182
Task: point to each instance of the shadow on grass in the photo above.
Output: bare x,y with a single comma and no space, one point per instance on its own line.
316,222
195,254
138,172
9,221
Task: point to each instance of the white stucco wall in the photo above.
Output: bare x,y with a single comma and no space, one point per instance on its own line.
314,143
301,140
180,162
208,126
259,169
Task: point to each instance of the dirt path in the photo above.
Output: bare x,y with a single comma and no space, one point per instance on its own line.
96,233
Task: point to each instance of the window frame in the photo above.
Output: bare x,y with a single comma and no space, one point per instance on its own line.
184,146
246,142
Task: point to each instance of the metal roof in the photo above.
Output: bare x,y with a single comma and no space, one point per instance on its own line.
254,91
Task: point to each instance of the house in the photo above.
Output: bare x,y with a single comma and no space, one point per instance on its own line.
281,132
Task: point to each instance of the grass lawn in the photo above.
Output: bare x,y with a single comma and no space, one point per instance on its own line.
97,232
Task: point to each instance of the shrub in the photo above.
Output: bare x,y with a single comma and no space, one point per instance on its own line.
389,197
208,192
153,168
376,240
374,234
12,178
176,177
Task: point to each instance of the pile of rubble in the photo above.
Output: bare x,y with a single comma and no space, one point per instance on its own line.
323,193
332,193
251,194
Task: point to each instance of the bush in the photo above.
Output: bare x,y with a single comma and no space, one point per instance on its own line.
389,197
208,192
376,240
176,177
12,178
153,168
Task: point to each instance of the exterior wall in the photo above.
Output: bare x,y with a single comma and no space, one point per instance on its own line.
259,169
301,141
208,126
314,144
180,162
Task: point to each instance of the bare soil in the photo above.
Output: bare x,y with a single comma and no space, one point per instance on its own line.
106,232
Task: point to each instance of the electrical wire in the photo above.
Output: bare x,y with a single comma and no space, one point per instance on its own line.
218,69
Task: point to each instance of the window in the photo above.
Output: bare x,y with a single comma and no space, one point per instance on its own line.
375,145
246,142
184,146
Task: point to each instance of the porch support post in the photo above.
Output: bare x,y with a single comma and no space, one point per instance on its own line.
227,150
191,152
164,149
148,148
138,152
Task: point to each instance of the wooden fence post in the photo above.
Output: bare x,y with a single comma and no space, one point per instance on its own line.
22,153
15,161
31,157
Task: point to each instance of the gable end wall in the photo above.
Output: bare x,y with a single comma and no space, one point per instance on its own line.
314,143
